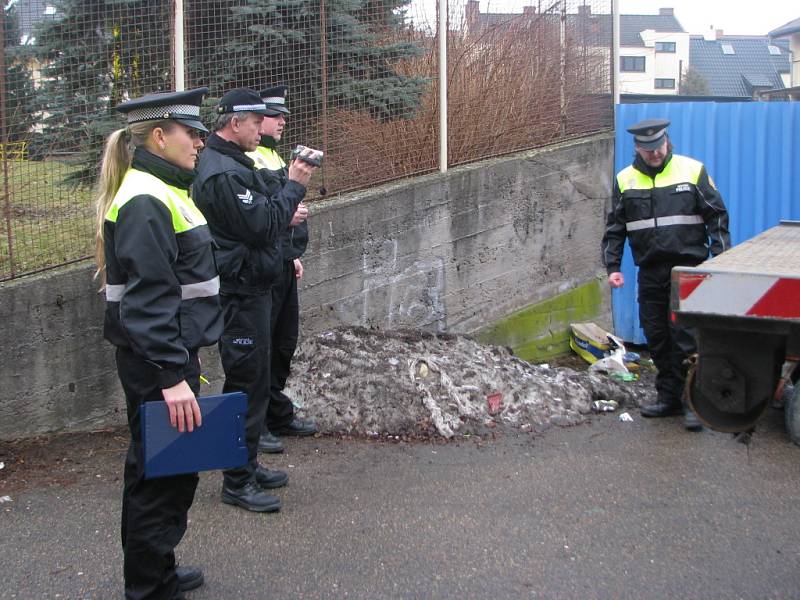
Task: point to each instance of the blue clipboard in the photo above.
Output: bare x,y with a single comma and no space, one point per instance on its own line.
219,443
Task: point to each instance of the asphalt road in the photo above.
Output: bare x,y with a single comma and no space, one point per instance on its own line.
602,510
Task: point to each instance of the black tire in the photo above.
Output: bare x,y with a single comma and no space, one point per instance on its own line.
792,412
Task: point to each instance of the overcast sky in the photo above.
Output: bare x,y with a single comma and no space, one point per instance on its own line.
696,16
750,18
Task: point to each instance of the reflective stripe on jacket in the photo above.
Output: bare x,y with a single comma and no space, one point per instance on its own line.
677,216
162,290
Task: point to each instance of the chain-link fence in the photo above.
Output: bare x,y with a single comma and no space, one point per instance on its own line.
363,79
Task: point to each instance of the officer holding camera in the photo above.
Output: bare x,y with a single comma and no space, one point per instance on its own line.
280,418
247,222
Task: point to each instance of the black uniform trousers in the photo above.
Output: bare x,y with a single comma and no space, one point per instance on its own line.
245,352
285,329
154,511
669,342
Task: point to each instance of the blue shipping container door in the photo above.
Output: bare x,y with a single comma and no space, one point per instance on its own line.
751,151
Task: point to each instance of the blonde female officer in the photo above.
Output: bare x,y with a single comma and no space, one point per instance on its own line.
155,255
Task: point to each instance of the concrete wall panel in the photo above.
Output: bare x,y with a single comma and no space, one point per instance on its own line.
443,253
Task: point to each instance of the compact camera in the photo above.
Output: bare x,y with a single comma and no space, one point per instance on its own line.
315,158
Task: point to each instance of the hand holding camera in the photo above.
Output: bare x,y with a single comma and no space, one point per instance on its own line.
301,170
309,155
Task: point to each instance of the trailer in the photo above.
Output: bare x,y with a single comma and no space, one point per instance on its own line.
745,308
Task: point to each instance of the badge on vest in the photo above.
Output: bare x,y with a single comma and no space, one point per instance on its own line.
242,341
187,216
683,187
246,198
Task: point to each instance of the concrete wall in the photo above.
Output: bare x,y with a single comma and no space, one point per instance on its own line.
443,253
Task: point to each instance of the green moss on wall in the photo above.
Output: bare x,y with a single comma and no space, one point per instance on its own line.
541,331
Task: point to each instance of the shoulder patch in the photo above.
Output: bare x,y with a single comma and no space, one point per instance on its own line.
246,197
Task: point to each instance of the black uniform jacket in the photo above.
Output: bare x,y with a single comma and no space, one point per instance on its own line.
295,239
245,221
672,214
161,285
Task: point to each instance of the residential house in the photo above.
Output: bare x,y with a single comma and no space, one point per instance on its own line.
740,65
654,51
790,30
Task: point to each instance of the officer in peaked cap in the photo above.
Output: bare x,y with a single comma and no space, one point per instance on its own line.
671,213
183,107
274,99
280,418
148,218
650,133
247,223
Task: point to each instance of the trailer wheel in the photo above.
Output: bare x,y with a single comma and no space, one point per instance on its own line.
792,409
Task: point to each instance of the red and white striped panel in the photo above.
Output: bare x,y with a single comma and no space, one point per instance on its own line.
738,294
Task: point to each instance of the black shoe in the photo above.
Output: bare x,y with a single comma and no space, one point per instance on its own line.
297,427
269,444
271,479
189,578
250,497
661,409
691,422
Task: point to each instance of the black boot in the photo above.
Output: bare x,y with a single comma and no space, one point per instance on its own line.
296,427
189,578
271,479
690,421
251,497
661,409
269,444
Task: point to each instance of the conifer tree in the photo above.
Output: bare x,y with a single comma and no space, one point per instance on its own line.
19,94
694,83
95,54
270,42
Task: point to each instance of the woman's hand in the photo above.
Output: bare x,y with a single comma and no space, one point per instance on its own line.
184,411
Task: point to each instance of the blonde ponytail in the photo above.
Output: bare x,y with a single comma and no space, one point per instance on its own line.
114,165
116,161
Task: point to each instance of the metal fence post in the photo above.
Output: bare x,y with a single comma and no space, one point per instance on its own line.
179,47
4,127
562,33
443,86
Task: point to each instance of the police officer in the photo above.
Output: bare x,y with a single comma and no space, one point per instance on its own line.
154,253
280,417
672,214
247,226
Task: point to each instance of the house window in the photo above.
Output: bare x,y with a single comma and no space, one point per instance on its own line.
774,50
665,84
728,49
665,46
631,63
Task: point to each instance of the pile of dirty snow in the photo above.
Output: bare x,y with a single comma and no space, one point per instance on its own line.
408,382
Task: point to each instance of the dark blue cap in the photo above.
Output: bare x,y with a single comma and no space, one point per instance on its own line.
241,100
649,134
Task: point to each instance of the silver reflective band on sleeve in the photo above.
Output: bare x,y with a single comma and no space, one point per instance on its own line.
663,221
681,220
114,292
204,289
643,224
